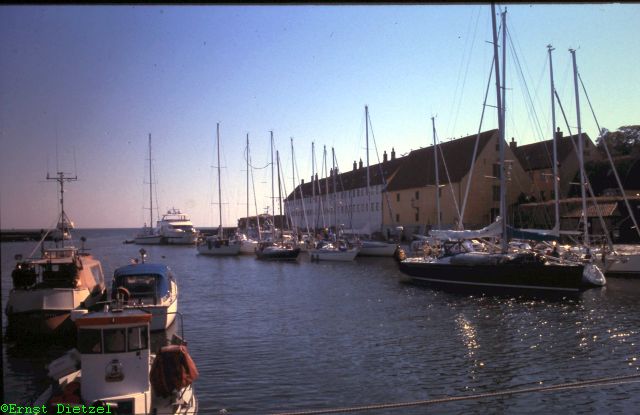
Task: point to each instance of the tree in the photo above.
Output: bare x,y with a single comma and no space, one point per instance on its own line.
624,141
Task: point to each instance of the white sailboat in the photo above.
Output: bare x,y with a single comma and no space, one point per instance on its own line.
218,245
335,249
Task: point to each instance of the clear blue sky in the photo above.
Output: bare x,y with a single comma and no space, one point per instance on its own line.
81,87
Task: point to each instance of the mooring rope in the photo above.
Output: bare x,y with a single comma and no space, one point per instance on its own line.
617,380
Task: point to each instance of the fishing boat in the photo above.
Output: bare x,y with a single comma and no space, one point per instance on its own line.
526,273
113,370
218,245
149,287
47,287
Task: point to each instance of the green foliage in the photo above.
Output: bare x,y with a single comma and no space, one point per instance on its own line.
622,142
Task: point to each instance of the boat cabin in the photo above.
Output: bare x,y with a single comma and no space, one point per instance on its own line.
115,359
142,284
57,268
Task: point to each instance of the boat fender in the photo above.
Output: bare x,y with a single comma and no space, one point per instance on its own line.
400,255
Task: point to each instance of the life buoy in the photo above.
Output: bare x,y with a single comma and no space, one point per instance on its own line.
123,294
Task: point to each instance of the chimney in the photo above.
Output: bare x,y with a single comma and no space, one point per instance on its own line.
393,153
384,156
558,134
360,165
301,182
513,144
316,177
355,166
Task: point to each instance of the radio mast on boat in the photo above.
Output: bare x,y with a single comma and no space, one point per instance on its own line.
63,225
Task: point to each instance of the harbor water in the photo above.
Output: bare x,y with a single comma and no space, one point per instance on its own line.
283,337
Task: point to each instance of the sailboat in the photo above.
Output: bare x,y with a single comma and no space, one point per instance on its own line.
504,272
174,228
614,264
366,245
48,287
334,249
248,244
277,249
217,244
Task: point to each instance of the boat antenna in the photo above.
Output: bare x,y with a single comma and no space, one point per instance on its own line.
61,179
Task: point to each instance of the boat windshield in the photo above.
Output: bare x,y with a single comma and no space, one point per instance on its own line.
98,341
145,288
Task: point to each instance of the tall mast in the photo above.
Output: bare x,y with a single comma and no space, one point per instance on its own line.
503,204
555,144
580,152
279,188
435,157
247,221
150,187
313,186
219,187
293,179
335,193
366,122
273,208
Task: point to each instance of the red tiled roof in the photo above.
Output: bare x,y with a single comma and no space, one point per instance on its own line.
353,179
418,168
538,156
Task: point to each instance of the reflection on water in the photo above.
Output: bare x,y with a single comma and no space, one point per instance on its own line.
270,337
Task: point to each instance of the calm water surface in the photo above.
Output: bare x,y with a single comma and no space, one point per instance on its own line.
275,337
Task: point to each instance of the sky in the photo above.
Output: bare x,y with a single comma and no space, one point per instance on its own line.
82,87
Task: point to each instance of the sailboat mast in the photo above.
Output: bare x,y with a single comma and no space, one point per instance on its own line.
273,208
580,152
293,180
555,144
435,157
366,122
335,193
219,186
247,221
279,188
150,187
503,204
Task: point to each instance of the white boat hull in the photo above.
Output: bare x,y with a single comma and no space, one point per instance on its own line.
622,265
248,247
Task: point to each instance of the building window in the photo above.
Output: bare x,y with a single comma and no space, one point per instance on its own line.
496,193
398,217
417,216
397,197
496,170
417,195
